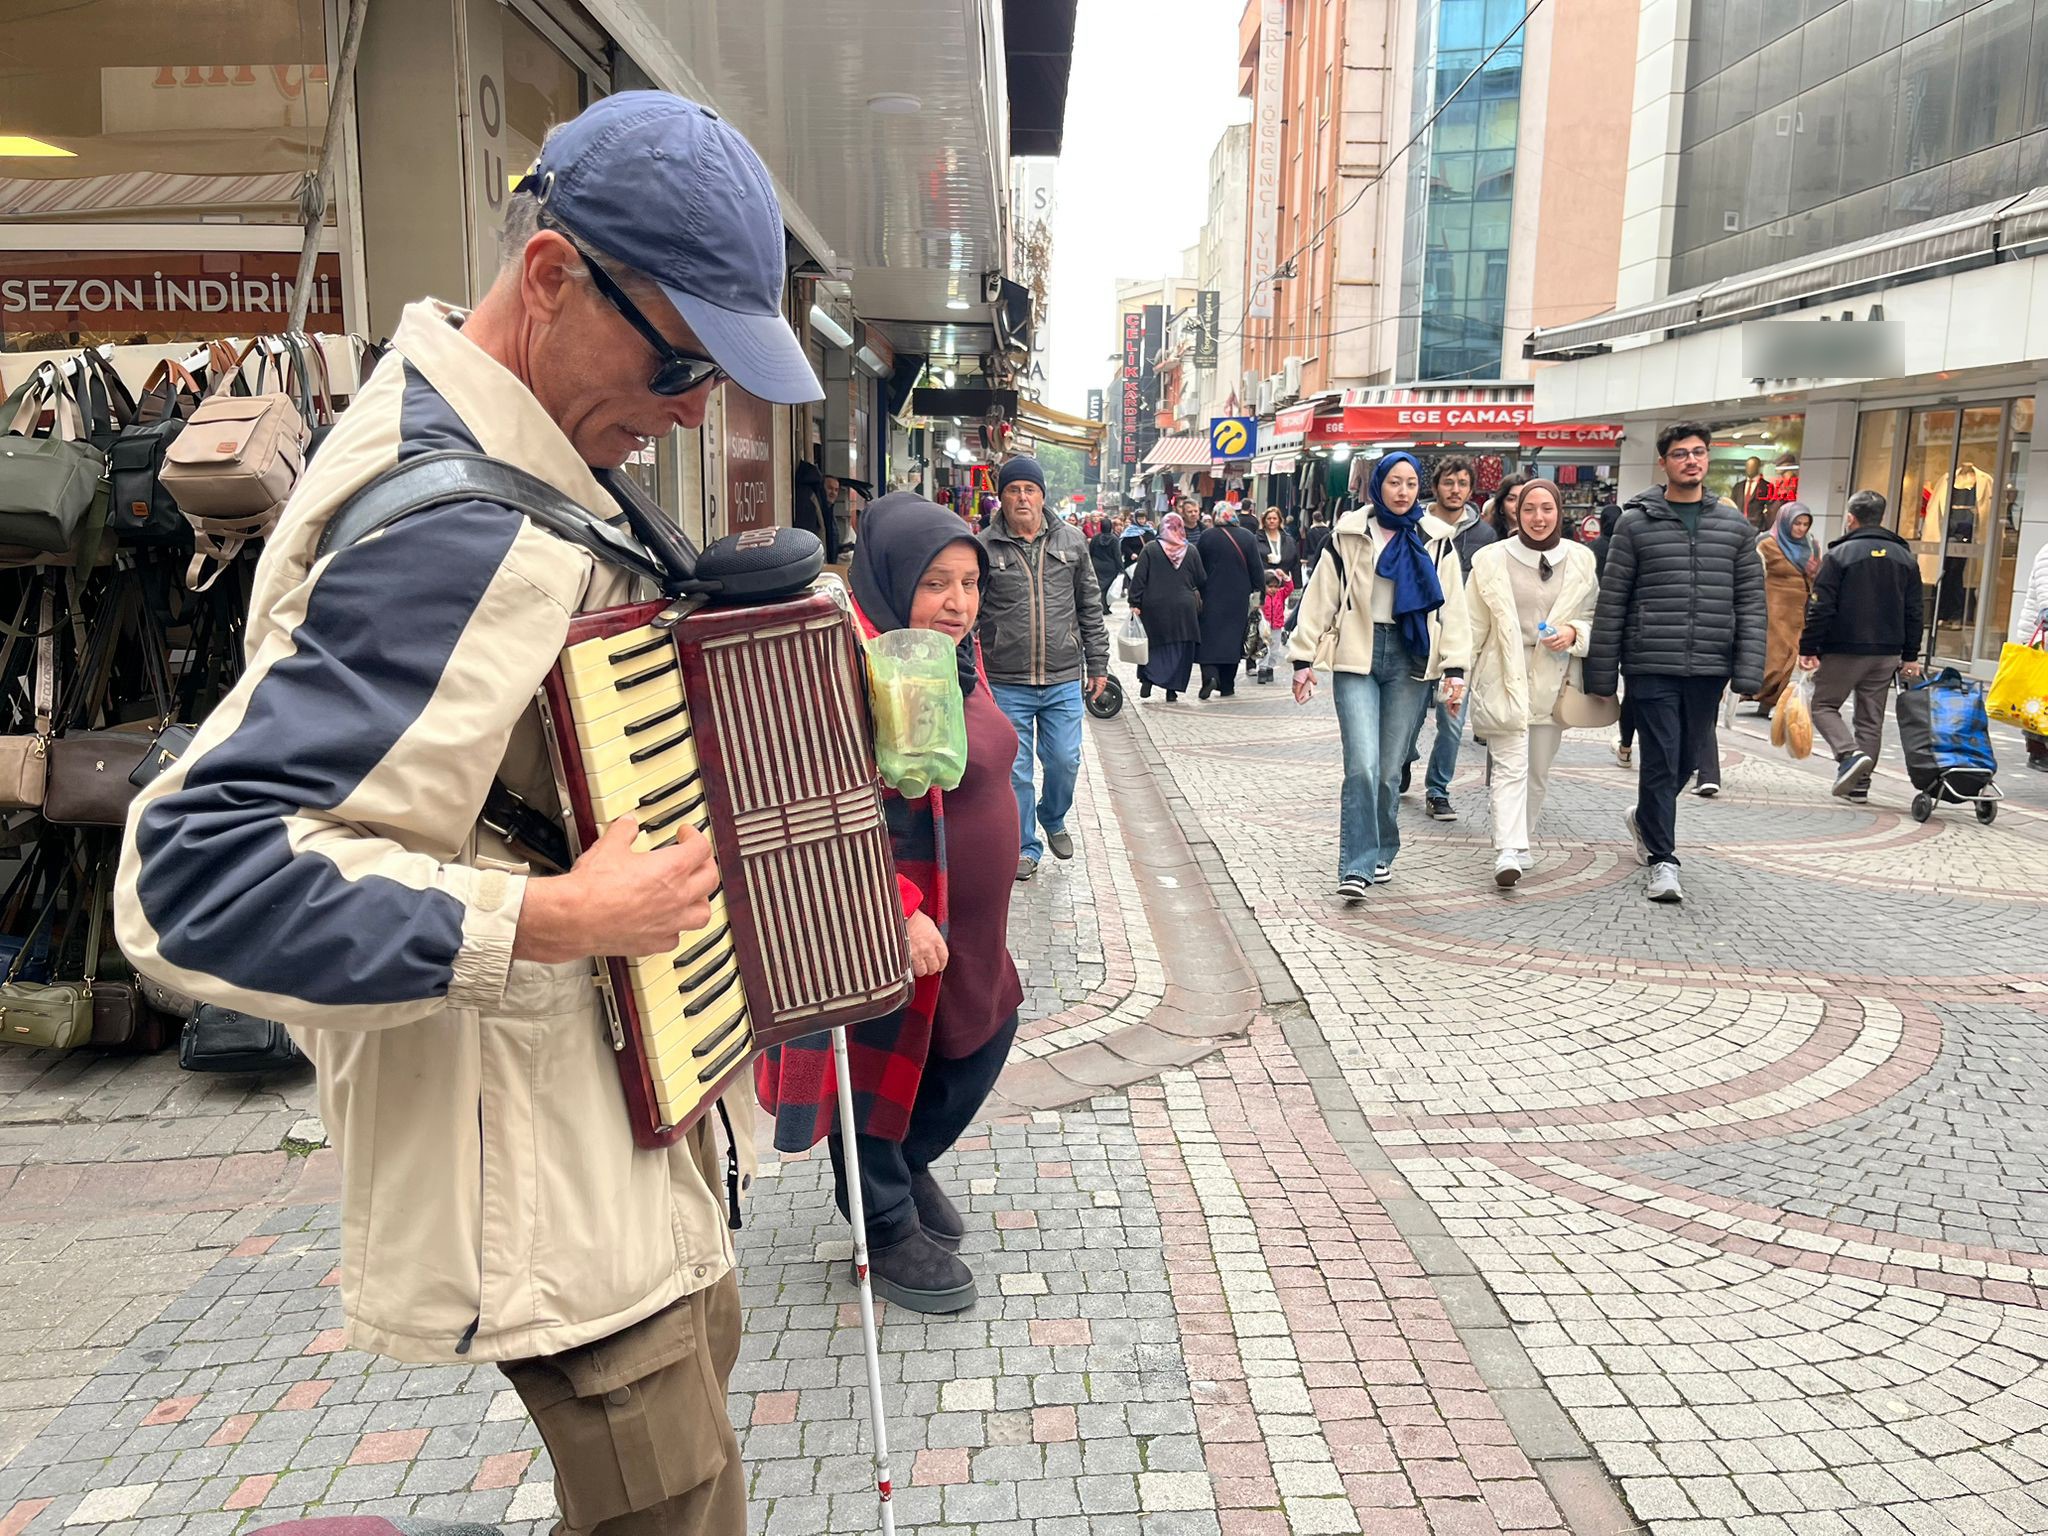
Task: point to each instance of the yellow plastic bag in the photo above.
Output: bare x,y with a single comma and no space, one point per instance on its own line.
2019,693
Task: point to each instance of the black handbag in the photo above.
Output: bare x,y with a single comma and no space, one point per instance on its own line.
140,510
219,1039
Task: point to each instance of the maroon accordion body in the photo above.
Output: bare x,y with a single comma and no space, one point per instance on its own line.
750,724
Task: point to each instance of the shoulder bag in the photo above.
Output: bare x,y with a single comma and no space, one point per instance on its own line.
92,771
51,1015
141,509
234,465
48,483
24,760
1578,710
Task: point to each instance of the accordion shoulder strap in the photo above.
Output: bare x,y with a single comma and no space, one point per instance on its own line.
451,475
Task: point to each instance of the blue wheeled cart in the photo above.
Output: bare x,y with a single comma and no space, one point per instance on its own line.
1946,737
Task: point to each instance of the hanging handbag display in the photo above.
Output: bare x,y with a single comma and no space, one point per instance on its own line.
237,460
221,1040
48,483
25,758
52,1015
141,509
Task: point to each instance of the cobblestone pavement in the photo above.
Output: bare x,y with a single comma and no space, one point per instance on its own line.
1456,1214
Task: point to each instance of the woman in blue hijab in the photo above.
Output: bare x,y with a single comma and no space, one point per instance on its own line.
1381,615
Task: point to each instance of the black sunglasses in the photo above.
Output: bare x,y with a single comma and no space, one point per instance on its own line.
679,372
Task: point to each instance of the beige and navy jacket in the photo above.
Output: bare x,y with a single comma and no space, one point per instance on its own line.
315,858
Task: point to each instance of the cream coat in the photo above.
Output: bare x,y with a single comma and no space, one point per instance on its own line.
1504,695
1352,537
315,858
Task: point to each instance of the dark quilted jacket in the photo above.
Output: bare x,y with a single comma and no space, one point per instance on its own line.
1679,604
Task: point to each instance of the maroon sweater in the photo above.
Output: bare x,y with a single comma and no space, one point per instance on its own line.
979,988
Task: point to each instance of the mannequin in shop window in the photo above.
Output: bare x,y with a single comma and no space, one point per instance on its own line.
1951,520
1754,496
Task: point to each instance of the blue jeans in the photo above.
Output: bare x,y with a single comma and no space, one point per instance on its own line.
1378,714
1443,753
1048,722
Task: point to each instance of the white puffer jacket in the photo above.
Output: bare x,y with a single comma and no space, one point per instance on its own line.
1505,695
2033,602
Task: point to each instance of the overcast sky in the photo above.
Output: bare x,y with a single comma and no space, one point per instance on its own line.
1154,85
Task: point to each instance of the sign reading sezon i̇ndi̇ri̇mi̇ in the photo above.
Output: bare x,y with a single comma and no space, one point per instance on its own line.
115,295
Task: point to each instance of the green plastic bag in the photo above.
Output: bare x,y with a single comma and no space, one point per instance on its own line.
920,719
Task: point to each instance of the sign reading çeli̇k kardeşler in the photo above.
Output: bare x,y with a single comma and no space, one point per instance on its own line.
115,295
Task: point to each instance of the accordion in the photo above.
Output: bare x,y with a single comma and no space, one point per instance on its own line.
748,723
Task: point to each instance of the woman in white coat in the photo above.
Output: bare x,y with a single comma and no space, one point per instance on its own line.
1530,602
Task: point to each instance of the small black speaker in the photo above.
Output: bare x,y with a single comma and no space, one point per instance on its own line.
758,566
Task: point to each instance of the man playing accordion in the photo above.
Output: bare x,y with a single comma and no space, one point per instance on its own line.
319,855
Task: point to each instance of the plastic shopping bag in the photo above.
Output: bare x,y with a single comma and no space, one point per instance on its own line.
920,719
1795,708
1131,644
2019,693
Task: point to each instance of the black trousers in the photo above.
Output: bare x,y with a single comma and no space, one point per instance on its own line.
1222,677
1675,729
949,1096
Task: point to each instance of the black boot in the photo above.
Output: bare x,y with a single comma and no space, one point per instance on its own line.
920,1276
1144,687
936,1212
1208,682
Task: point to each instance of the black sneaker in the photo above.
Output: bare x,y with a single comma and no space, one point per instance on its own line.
1351,890
920,1276
1854,774
936,1212
1438,808
1407,777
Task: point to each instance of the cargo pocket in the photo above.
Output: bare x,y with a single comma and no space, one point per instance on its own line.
631,1421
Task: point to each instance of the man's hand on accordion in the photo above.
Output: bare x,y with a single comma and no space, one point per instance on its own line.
620,902
927,946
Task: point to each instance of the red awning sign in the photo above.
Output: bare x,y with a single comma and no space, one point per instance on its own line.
1453,423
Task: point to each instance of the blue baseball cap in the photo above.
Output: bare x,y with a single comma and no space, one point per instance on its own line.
674,191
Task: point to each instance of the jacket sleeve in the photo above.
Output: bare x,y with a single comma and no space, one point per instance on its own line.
1319,603
1820,607
1581,619
1752,624
1610,615
1478,628
1455,618
281,868
1088,609
908,894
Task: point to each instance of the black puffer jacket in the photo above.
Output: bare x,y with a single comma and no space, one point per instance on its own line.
1680,604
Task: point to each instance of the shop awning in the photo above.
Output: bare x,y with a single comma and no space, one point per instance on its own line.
1047,424
1181,451
1968,237
1281,463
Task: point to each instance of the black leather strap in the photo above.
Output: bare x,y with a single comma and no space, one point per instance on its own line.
451,475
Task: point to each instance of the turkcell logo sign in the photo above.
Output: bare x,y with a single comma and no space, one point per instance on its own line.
1233,437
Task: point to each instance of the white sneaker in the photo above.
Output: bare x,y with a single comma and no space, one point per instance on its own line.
1635,833
1664,884
1507,868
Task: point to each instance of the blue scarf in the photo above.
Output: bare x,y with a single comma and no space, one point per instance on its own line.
1405,562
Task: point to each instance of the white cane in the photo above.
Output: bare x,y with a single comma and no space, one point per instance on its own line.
869,1336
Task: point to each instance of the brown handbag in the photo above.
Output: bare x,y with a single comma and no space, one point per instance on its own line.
90,769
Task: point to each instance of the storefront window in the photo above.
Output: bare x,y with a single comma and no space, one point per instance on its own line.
130,110
542,88
1957,502
1877,448
1756,464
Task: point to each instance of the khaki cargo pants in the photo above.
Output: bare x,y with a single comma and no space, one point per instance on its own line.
637,1425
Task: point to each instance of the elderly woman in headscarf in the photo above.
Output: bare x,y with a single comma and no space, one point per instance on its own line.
1385,612
1166,595
920,1075
1791,556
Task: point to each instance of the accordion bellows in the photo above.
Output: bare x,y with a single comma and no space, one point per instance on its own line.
750,725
